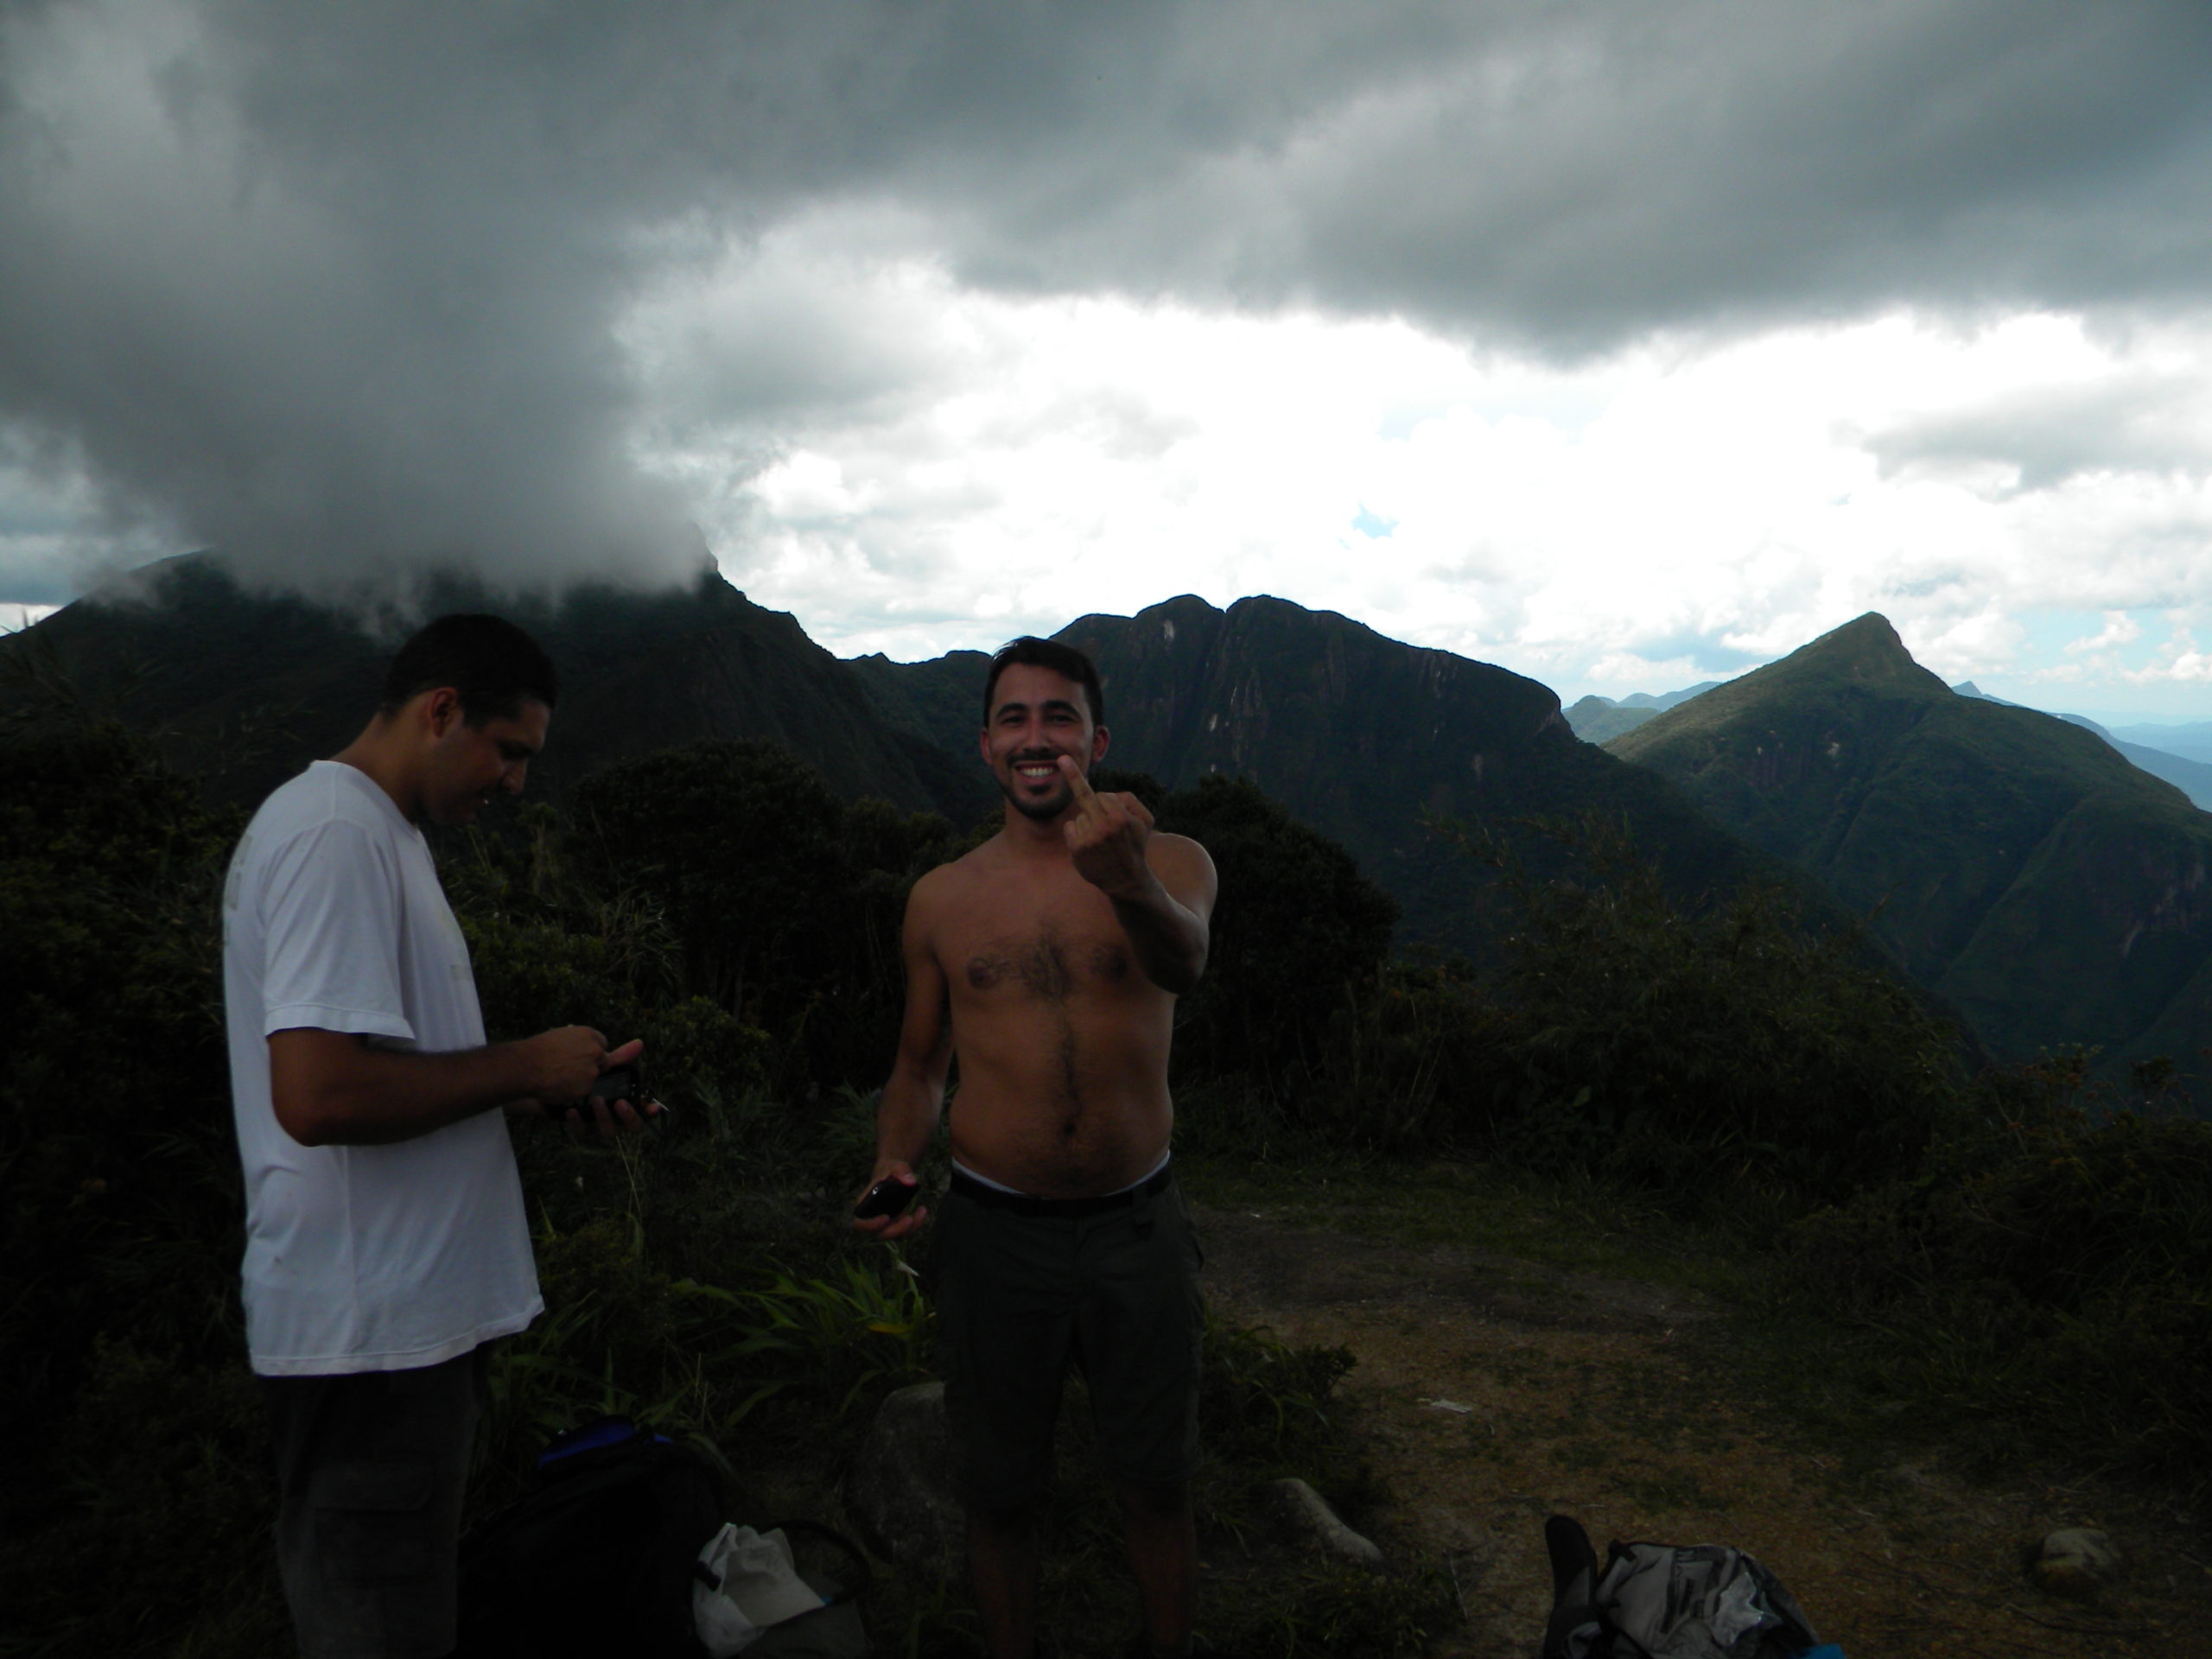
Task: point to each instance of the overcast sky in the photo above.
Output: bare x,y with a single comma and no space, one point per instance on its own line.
1627,344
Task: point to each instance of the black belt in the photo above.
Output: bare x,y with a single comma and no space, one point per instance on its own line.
1021,1203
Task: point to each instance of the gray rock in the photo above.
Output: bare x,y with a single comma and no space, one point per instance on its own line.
2077,1562
1306,1514
898,1490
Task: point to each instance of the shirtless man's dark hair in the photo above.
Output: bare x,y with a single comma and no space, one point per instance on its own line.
1064,660
1047,962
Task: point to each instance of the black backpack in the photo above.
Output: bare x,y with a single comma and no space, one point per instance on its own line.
598,1557
1697,1601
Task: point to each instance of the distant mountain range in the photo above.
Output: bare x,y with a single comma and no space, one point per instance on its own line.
2191,742
1358,735
1600,720
2192,777
2016,863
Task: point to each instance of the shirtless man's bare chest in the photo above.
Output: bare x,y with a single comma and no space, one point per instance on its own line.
1061,1040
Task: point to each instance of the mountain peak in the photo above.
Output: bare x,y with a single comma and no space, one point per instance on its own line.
1866,646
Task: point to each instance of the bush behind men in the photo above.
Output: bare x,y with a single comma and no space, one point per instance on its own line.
386,1243
1047,962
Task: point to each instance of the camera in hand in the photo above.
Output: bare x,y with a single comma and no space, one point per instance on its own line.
620,1083
623,1083
888,1197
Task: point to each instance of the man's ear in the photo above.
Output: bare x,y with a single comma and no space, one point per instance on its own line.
1098,742
441,710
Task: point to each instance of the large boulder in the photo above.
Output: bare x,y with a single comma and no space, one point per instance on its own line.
899,1490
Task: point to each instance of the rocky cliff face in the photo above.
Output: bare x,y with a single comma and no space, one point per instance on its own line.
2016,863
1360,737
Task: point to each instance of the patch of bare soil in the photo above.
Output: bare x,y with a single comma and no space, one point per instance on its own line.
1491,1392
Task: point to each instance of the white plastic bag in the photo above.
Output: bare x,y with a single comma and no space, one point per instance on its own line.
755,1585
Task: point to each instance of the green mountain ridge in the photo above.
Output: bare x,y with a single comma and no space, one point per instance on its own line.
1362,736
243,685
2016,863
2193,777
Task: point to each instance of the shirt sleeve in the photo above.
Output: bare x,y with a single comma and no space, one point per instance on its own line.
332,920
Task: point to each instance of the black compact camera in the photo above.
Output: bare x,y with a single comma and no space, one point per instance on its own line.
888,1197
623,1083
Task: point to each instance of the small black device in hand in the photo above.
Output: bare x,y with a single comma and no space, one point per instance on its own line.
888,1197
623,1083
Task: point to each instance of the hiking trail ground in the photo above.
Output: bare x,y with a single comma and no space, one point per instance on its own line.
1492,1390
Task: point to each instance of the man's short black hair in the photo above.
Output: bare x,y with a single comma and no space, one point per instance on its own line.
493,665
1064,660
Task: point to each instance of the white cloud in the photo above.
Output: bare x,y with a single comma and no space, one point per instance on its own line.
1676,511
2119,629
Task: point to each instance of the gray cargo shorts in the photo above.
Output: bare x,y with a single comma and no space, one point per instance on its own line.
371,1469
1026,1288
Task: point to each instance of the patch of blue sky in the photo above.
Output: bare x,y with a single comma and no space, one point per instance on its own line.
2091,678
1372,525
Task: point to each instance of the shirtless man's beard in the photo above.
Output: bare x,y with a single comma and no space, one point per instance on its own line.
1045,810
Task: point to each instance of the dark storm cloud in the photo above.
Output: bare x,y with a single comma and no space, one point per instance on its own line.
339,284
1587,172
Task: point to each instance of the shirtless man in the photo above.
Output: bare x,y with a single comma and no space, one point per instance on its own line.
1048,962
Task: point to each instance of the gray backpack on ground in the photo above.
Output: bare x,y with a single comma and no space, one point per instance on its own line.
1666,1601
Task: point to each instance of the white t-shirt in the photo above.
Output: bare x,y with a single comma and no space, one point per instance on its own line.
378,1258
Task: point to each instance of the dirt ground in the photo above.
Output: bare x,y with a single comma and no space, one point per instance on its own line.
1490,1392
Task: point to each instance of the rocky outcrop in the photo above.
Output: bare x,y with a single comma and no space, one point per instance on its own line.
899,1489
1304,1516
2078,1562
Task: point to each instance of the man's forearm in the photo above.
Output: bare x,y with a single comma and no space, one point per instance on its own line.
330,1089
906,1119
1170,940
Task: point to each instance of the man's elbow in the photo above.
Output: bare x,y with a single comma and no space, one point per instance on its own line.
304,1116
1179,976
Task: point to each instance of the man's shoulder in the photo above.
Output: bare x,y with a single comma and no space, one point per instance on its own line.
1185,868
326,792
945,882
319,812
951,887
1179,849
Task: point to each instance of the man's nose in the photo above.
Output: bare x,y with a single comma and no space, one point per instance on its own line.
511,780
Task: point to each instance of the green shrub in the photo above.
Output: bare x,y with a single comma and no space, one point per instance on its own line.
2047,1273
1718,1059
1267,1406
1298,935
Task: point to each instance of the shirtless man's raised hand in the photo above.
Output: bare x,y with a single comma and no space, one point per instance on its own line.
1047,962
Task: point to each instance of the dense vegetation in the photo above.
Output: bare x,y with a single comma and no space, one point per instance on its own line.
2028,1256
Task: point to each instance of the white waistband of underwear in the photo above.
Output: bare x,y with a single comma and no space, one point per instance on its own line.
1000,1186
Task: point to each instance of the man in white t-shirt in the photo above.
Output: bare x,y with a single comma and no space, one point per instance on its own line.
386,1241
